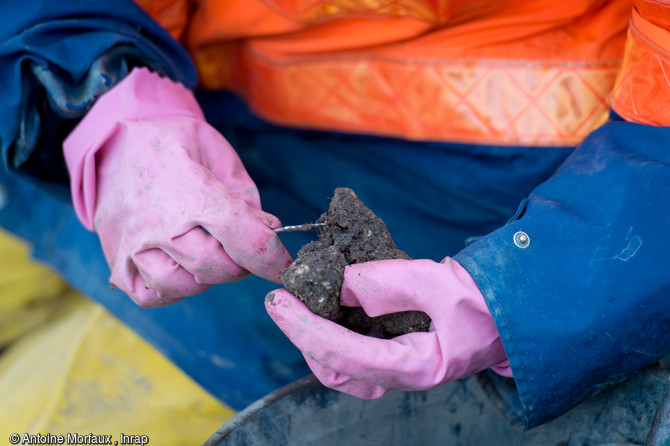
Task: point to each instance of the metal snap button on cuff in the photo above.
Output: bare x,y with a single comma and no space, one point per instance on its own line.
521,240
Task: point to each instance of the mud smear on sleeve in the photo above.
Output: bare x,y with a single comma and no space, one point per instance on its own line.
352,234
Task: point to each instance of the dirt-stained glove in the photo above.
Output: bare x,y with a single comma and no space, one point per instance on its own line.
462,339
169,198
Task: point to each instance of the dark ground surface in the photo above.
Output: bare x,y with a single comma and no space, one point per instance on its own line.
352,234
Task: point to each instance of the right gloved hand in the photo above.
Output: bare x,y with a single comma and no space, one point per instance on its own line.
462,340
169,198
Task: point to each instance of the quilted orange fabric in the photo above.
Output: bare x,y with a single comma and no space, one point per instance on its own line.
642,92
492,72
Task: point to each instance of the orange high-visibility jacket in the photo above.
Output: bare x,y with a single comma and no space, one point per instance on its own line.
494,72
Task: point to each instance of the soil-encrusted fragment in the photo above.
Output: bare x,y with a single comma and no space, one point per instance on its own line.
352,234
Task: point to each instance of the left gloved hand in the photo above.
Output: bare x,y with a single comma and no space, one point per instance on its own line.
462,339
168,196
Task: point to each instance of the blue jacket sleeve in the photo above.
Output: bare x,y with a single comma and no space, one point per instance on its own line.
57,57
581,302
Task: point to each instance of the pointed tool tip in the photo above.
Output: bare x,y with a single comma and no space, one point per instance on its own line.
295,228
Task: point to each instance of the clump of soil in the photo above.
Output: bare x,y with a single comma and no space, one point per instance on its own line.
352,234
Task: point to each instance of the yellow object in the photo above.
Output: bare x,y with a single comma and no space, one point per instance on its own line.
30,294
76,369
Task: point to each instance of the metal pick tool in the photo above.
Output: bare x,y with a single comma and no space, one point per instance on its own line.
295,228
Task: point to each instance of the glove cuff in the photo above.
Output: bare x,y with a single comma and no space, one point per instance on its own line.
478,303
141,94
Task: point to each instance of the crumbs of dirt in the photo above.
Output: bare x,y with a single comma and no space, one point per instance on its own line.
352,234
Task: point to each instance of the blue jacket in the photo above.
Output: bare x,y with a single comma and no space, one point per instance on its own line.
579,302
582,305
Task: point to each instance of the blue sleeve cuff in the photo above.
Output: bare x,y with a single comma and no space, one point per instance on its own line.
581,301
57,58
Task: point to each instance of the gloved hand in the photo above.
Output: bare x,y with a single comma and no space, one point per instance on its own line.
462,339
173,206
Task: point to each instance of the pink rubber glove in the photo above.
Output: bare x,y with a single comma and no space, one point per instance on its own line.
173,206
462,339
